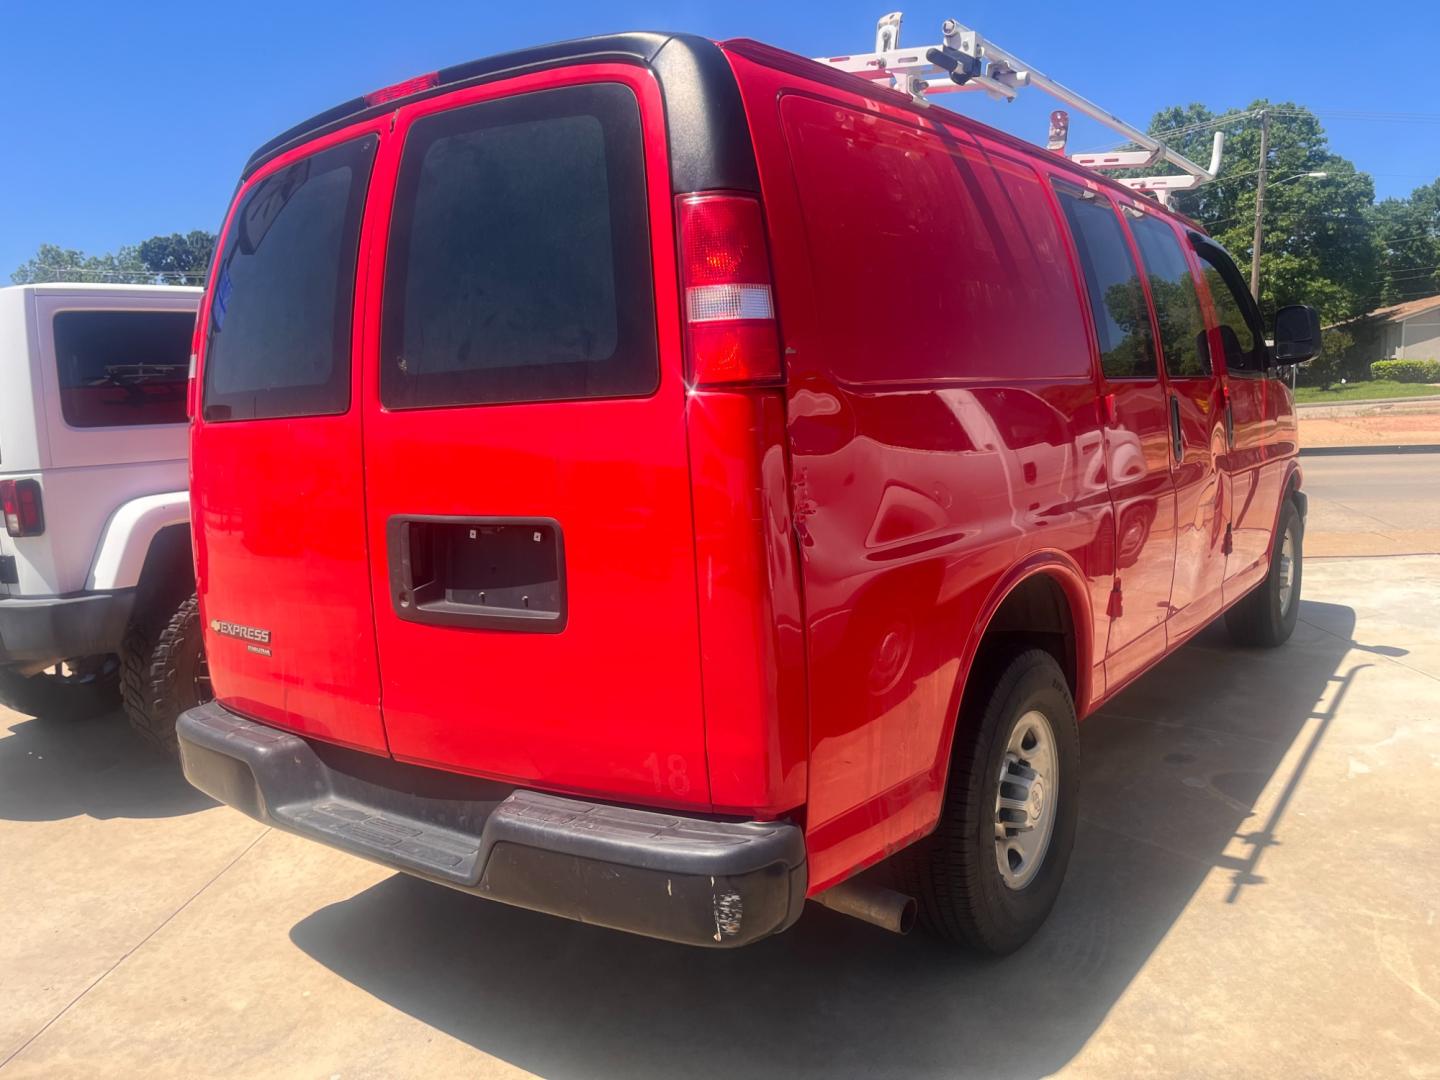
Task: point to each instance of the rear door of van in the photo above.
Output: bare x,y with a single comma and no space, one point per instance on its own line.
277,495
526,481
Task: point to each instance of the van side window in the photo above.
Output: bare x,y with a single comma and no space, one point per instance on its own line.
281,308
519,260
1244,348
1122,319
1184,341
122,368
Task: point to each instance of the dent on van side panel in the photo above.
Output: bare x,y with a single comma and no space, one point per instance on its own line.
942,425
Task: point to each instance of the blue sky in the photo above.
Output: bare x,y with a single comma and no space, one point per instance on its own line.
129,120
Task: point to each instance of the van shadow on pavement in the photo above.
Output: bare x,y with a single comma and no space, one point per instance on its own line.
1167,799
55,768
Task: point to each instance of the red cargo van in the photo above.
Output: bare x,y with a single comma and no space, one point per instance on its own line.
652,481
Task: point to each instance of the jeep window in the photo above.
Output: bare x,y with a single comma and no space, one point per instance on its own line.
121,368
1117,303
280,312
519,258
1183,339
1234,311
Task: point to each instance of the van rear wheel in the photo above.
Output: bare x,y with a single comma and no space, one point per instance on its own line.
989,874
165,673
1267,615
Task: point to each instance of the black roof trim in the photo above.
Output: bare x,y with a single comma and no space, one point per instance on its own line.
709,136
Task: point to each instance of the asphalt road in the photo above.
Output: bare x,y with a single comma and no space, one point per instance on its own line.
1373,504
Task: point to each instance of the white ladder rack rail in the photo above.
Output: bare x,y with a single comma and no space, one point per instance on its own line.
964,60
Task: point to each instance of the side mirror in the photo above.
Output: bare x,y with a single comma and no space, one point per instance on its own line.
1297,334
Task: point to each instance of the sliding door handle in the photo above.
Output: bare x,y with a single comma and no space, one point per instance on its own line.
1176,438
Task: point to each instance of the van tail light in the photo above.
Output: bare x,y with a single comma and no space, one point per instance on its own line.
752,660
730,331
20,501
190,389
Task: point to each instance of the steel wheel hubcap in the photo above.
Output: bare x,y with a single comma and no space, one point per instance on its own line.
1287,570
1025,799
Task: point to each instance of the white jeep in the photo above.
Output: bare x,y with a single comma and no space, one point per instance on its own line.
97,580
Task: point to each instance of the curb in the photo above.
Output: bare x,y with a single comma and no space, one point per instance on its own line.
1346,451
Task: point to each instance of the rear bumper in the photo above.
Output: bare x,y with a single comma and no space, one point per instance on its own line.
692,880
39,631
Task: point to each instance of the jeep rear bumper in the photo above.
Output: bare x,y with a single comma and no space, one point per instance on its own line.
36,632
692,880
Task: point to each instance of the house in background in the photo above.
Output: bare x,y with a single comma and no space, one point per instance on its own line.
1408,331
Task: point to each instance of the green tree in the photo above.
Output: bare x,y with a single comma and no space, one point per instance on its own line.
1408,235
1320,246
52,263
178,259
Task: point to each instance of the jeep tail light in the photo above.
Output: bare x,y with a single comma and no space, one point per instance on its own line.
403,89
20,501
730,330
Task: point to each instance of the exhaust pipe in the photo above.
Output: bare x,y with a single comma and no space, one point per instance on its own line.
874,904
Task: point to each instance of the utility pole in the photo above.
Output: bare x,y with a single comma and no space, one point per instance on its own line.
1259,205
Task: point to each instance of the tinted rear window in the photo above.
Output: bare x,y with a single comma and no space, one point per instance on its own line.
281,308
1117,302
519,255
119,368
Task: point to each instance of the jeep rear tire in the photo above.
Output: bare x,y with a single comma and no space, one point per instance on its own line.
989,874
73,690
1267,615
164,673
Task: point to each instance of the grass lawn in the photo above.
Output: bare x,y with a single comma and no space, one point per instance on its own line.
1364,391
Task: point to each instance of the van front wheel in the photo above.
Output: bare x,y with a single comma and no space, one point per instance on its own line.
989,874
1267,616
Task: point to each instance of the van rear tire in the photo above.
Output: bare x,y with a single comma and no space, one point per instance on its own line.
1266,616
164,673
956,873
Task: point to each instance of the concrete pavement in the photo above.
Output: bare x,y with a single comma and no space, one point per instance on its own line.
1255,892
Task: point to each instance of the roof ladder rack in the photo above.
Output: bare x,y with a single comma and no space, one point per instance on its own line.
964,60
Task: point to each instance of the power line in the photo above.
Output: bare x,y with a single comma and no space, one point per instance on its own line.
1374,116
1403,239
